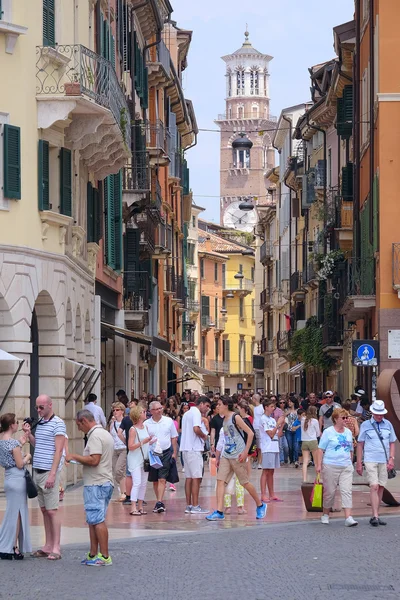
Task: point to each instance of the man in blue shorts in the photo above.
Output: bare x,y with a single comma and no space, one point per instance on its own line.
98,485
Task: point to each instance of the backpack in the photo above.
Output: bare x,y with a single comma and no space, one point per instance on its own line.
243,434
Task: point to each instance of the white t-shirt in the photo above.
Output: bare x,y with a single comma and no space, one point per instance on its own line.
258,413
268,445
164,430
189,440
118,444
312,432
97,412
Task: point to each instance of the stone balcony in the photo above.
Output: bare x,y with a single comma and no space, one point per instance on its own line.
78,90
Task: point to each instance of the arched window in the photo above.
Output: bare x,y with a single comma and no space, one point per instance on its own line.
230,112
240,82
254,82
240,112
254,111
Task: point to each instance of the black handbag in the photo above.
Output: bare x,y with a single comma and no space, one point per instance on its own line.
173,476
31,489
391,472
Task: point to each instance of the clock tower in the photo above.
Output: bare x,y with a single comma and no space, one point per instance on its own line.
246,136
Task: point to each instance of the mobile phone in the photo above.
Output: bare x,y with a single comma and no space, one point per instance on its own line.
73,462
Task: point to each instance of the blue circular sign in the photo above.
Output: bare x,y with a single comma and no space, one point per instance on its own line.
365,353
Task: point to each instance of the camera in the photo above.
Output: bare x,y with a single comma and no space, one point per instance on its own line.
29,420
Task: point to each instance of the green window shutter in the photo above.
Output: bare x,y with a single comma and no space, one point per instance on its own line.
43,175
90,213
97,215
117,180
109,214
12,162
205,306
144,102
112,53
49,36
347,182
65,182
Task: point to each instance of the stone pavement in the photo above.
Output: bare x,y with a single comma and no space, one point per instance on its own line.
122,525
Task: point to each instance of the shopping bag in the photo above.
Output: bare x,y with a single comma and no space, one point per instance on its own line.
316,494
155,461
173,476
212,463
230,486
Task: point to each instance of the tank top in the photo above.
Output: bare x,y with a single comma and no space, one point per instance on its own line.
135,457
234,441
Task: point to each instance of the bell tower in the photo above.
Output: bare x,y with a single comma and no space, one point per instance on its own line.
247,128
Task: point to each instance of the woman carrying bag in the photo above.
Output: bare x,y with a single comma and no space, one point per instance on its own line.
138,458
335,456
14,532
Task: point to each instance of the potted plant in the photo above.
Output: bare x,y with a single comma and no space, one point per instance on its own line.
73,88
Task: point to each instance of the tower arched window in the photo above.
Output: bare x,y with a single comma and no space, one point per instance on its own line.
240,112
254,111
254,83
241,159
240,82
229,84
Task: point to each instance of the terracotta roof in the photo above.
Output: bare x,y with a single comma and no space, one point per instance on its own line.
219,244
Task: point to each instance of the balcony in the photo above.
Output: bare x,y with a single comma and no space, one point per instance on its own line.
188,334
345,226
78,87
296,285
170,280
310,275
180,291
159,66
266,299
266,345
240,367
136,178
258,362
147,225
175,166
266,251
332,338
136,299
283,341
193,306
206,323
219,325
356,284
242,286
157,143
245,115
219,367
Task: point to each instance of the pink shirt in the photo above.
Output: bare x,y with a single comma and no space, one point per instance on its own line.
278,412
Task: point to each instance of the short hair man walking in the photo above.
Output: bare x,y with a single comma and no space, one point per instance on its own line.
98,485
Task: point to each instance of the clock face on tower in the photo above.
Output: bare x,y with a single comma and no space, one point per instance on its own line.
239,219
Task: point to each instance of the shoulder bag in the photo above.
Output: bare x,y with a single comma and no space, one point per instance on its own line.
391,472
31,490
146,462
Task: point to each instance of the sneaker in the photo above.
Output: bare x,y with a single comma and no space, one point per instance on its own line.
99,561
172,488
381,522
374,522
296,464
197,510
183,469
259,466
87,557
127,502
261,511
156,507
254,465
188,509
161,508
215,516
325,519
350,522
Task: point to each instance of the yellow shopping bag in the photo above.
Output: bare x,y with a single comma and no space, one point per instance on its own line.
316,494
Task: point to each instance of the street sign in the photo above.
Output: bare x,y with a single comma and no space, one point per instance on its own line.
394,343
365,353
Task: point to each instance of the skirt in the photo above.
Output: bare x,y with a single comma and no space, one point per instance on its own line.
17,504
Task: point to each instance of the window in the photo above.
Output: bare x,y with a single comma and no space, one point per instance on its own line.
49,21
329,178
254,83
223,277
240,83
12,162
226,350
252,273
216,348
241,308
240,112
190,253
365,106
229,84
65,182
253,309
203,351
194,221
43,176
216,310
202,268
224,303
215,271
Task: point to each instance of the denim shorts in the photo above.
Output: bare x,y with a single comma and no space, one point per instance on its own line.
96,499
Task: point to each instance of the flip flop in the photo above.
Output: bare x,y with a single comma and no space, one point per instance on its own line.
136,513
143,512
40,554
54,556
276,499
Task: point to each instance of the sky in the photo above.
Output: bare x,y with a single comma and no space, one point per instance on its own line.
297,34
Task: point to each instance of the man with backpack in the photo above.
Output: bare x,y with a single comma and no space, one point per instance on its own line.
326,410
233,459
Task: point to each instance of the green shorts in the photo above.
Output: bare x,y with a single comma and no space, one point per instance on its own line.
311,446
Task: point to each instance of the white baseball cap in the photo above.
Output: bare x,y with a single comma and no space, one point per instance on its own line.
360,393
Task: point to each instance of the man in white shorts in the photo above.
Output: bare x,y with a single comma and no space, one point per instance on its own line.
193,436
258,413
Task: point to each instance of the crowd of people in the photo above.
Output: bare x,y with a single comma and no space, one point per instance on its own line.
143,440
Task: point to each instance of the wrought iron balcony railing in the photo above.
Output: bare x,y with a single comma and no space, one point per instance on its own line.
206,322
266,251
159,54
193,306
75,70
283,340
245,285
296,280
219,366
265,298
309,273
170,279
137,291
147,225
266,345
156,136
136,177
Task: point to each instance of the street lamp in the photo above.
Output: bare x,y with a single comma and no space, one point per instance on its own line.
238,275
246,206
230,295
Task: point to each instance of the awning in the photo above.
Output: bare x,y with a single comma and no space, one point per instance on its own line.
296,369
189,370
85,376
127,334
5,356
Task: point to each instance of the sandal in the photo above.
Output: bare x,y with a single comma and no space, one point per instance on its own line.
54,556
142,512
136,513
17,554
241,511
276,499
122,498
39,554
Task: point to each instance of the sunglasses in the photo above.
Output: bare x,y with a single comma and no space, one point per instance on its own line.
116,409
40,407
282,402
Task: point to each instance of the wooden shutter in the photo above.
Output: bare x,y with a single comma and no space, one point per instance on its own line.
90,213
97,215
117,180
205,306
109,217
112,51
65,182
43,175
12,162
131,259
226,350
49,36
144,101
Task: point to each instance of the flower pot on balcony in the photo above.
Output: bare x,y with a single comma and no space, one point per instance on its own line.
72,89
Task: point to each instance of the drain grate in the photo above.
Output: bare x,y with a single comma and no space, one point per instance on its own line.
353,587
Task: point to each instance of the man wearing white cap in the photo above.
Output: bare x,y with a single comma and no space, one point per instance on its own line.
360,393
377,440
326,410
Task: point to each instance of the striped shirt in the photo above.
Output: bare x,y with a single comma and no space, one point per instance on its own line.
45,446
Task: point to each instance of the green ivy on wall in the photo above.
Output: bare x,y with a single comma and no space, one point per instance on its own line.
306,347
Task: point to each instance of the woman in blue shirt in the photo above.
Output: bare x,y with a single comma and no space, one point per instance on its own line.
335,455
